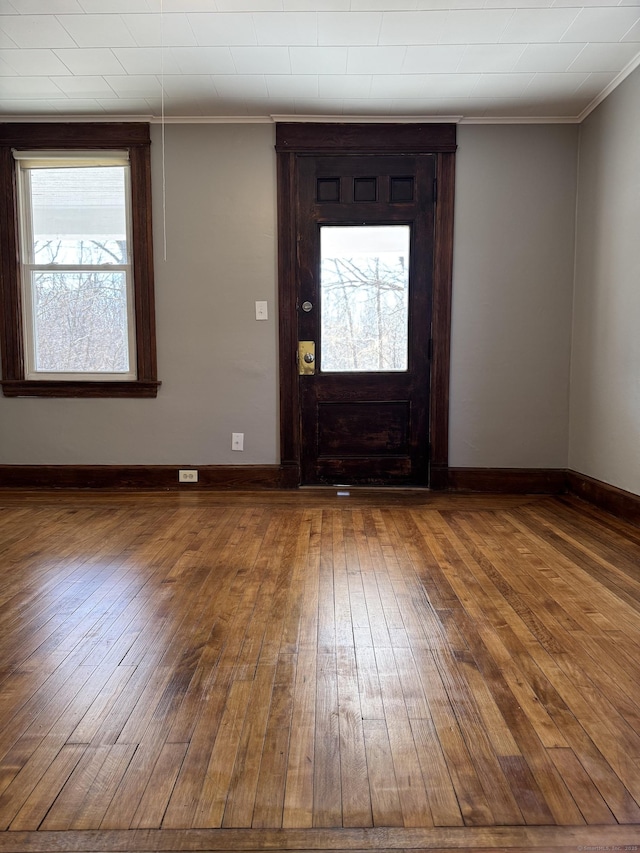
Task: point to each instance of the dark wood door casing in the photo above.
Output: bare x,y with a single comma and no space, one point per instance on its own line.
293,142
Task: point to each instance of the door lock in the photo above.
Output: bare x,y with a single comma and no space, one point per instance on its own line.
306,358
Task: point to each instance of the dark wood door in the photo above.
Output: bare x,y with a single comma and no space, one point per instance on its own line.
365,232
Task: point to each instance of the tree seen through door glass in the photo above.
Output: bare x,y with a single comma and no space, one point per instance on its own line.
364,297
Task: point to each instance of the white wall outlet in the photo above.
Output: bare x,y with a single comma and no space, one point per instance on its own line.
187,475
237,441
261,311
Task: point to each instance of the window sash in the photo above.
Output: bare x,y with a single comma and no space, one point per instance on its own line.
26,161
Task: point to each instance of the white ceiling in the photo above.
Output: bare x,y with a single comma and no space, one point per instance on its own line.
477,60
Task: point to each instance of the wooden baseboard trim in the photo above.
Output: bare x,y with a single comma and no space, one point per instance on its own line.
537,481
617,501
545,481
163,477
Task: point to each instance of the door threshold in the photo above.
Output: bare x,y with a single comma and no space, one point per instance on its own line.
346,487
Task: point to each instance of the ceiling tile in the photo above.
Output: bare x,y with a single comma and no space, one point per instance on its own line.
271,106
483,58
250,5
31,107
289,86
602,25
29,87
633,34
153,31
432,59
348,28
382,5
46,7
521,4
261,60
103,7
36,62
6,70
317,5
135,86
84,87
468,26
548,57
422,85
449,4
240,85
361,106
203,60
99,60
438,55
412,27
223,29
288,28
555,84
147,60
344,85
501,85
318,60
595,84
125,106
182,6
5,41
375,60
77,106
182,106
605,57
578,3
187,85
97,30
538,25
35,31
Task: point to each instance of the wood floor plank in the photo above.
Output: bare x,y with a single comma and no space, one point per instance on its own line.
154,801
216,783
389,670
240,802
443,802
385,802
356,800
270,792
327,793
38,803
298,803
67,804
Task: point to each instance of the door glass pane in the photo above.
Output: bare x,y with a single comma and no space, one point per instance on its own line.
364,297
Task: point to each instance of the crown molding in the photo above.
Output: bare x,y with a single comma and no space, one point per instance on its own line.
520,120
368,119
626,71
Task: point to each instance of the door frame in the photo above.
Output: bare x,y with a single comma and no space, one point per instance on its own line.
294,140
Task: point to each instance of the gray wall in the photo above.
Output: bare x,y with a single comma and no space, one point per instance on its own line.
605,375
216,363
511,318
512,290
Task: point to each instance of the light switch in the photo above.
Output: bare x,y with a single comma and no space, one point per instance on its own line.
261,311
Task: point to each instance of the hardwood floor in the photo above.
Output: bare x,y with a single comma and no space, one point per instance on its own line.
383,670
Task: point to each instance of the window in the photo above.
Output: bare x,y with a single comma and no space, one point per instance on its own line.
76,261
